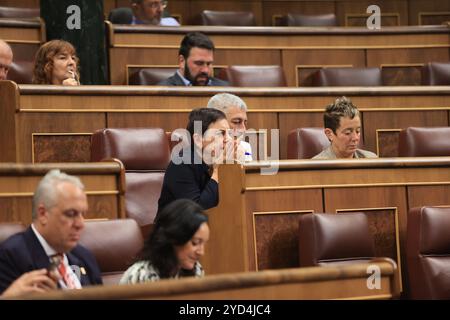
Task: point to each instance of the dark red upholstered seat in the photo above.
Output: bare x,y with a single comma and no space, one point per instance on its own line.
150,76
303,20
227,18
305,143
256,76
115,245
436,74
424,142
330,239
21,72
428,252
145,154
338,77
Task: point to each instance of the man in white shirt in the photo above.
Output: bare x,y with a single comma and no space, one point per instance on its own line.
150,12
235,110
59,204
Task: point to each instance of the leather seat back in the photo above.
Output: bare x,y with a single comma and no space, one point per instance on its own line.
329,239
150,76
424,142
428,252
303,20
145,154
227,18
338,77
305,143
115,245
436,74
256,76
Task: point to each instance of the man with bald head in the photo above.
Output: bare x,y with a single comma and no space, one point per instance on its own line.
6,57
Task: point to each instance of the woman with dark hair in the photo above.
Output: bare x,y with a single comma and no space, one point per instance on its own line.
56,62
193,174
175,245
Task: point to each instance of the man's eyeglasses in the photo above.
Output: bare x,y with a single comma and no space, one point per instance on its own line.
157,4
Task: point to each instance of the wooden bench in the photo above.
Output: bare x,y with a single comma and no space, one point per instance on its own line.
349,282
399,51
256,222
104,186
54,124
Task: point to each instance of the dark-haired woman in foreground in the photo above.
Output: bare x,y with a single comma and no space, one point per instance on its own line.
174,247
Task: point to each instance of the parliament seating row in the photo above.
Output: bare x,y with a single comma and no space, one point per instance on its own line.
331,240
432,73
400,52
114,243
377,188
55,124
104,185
325,240
145,154
237,76
262,203
269,12
123,15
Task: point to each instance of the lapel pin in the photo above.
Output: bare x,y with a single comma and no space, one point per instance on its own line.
83,271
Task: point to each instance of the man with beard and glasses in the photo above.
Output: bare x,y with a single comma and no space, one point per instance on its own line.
196,57
151,12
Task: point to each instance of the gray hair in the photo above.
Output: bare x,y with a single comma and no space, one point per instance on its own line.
46,191
223,101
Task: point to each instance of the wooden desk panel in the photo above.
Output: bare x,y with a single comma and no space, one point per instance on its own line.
349,282
26,31
104,186
51,123
258,214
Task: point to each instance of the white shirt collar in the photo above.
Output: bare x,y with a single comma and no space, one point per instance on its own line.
186,81
47,248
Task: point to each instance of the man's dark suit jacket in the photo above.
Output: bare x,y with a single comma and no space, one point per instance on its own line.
23,253
176,80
